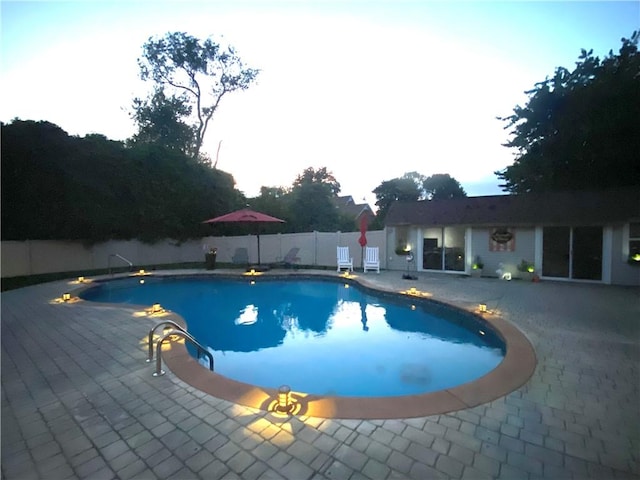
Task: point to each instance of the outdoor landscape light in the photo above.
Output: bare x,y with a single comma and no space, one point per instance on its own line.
413,290
253,271
284,399
141,272
156,308
482,307
253,282
66,297
80,279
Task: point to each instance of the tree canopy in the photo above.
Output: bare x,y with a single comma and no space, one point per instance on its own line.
56,186
442,186
580,128
308,204
413,186
61,187
190,78
320,176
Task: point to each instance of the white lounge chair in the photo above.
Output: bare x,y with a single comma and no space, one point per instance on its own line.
371,259
344,259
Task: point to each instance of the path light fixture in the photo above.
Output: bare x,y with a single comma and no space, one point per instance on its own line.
482,307
284,404
156,308
66,297
80,279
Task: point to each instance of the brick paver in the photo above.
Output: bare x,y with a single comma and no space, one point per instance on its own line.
79,400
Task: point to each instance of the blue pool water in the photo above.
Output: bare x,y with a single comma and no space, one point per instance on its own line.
320,337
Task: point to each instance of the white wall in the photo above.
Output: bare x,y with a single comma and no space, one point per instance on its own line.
34,257
524,250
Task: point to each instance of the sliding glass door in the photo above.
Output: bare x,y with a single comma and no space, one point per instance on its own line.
443,249
574,253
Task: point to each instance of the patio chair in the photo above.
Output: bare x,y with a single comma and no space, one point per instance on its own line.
291,258
344,259
241,256
371,259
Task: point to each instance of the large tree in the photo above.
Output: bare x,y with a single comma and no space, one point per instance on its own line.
442,186
160,122
581,128
409,187
321,176
193,76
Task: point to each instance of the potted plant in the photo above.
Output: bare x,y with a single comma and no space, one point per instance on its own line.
401,249
634,259
527,270
476,268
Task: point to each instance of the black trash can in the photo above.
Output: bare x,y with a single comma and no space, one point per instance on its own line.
210,260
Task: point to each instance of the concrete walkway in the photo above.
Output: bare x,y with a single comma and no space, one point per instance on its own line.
79,401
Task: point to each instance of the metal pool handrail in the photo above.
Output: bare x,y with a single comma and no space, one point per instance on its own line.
180,332
153,330
121,258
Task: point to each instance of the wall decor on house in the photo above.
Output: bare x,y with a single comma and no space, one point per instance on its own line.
502,240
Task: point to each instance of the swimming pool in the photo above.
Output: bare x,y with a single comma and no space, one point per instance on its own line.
321,337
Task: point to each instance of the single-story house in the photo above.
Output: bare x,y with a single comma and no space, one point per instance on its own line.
581,236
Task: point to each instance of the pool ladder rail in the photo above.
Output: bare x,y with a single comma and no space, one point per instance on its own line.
129,262
175,330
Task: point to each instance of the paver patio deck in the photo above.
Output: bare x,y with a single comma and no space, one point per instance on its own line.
79,400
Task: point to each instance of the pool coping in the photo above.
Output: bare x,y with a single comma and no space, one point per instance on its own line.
514,371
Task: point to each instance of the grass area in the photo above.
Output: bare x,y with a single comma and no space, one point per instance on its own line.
12,283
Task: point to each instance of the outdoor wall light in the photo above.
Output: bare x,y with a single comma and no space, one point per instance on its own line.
284,404
482,307
66,297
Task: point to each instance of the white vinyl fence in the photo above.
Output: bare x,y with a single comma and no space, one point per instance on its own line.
34,257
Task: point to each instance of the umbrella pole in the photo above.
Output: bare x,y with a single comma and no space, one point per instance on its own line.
258,236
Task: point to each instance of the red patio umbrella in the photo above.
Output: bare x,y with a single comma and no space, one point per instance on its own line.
246,215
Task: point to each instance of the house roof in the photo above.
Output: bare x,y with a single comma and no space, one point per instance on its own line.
553,208
347,206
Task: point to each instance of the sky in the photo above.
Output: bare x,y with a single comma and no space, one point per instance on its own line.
369,89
